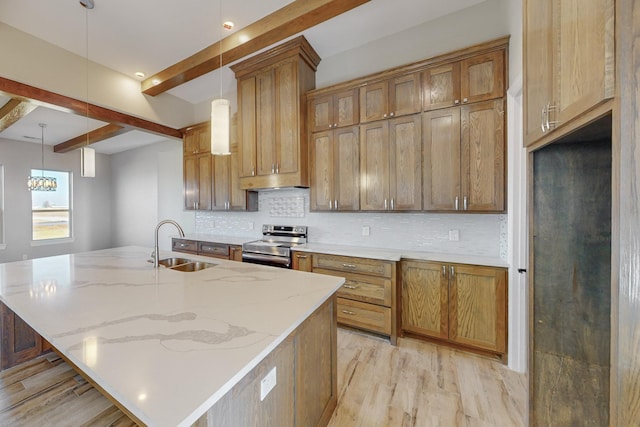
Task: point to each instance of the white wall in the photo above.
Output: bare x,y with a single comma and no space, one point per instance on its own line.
147,187
91,201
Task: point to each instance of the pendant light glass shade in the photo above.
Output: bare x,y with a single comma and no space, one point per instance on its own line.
42,183
220,112
87,162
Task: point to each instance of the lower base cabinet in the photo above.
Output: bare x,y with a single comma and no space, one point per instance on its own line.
367,300
213,250
459,304
20,343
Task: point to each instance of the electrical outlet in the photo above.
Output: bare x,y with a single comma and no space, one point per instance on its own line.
366,230
454,235
268,383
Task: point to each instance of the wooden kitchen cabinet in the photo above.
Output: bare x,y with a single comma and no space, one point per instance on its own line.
394,97
390,165
20,342
461,304
334,110
272,118
198,181
197,140
568,62
464,158
301,261
367,299
474,79
335,170
227,194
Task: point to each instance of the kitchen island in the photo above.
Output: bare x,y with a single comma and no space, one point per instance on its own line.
179,348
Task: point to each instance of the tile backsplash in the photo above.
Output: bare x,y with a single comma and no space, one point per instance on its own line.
479,234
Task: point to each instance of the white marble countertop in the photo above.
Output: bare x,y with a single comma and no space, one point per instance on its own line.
165,344
398,254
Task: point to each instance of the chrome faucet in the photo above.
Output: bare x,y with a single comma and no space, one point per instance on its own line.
156,251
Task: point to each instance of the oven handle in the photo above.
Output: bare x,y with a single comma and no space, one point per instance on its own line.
266,258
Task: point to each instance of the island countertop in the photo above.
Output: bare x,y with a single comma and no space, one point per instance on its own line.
165,344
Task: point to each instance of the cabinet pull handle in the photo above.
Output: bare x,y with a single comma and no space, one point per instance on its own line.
330,204
273,168
335,204
453,272
548,122
253,172
350,287
277,167
465,204
542,121
457,202
350,313
385,204
351,266
301,256
444,270
392,204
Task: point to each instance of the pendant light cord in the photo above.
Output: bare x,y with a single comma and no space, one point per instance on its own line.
221,36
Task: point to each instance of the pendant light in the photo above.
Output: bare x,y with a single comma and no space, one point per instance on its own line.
42,183
87,154
220,112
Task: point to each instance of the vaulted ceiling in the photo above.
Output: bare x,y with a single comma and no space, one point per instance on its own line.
161,39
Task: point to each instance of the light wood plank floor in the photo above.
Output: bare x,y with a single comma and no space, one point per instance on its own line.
424,385
412,384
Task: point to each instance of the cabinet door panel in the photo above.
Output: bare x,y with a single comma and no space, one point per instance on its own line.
221,177
346,111
374,166
441,86
482,77
483,163
266,122
287,126
321,113
322,170
478,307
538,65
347,168
19,341
425,299
247,127
190,182
441,163
374,101
405,180
404,95
585,57
205,181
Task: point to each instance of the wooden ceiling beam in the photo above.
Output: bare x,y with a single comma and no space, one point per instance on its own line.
295,17
55,101
13,111
97,135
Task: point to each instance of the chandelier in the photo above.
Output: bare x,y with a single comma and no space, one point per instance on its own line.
42,183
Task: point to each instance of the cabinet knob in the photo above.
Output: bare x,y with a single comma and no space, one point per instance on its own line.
456,102
392,114
385,115
465,100
330,126
335,125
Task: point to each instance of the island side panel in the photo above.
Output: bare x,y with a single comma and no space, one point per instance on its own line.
306,388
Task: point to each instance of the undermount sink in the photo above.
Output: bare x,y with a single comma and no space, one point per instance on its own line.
185,264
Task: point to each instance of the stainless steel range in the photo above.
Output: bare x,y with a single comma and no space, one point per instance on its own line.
275,247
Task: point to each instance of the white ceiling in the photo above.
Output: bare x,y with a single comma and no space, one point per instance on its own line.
150,35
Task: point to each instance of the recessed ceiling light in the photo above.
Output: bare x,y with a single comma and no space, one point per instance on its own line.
140,74
155,82
227,25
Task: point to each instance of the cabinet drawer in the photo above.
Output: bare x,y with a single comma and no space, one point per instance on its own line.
352,265
364,316
217,250
375,290
181,245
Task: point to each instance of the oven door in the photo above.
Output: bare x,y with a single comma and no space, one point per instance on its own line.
270,260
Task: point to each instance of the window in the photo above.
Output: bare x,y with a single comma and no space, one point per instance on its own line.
51,210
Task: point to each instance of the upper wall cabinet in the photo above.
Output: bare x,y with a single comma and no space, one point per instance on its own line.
272,116
197,140
394,97
478,78
568,62
334,110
